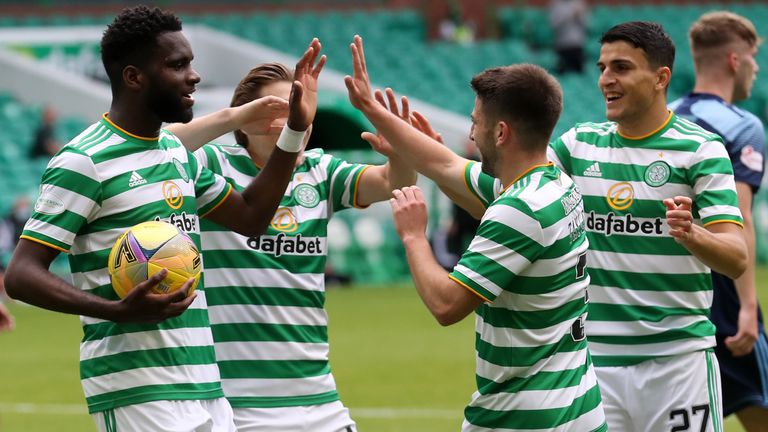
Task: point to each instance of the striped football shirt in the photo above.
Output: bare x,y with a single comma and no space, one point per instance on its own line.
649,296
528,262
266,294
101,183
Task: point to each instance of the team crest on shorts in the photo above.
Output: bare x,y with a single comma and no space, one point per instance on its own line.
657,173
306,195
181,170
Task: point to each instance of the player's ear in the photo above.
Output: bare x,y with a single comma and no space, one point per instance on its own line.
663,76
503,132
132,77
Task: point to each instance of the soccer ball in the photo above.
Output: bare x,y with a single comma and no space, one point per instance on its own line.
147,248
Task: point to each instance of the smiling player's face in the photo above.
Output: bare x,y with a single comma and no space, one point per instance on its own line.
171,79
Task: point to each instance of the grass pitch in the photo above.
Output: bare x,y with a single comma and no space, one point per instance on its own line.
396,368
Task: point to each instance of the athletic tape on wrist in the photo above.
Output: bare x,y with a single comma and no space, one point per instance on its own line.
290,140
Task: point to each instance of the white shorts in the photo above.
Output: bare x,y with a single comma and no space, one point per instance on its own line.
209,415
677,393
329,417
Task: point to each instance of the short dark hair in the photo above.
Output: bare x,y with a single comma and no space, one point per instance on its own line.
649,36
250,88
526,96
720,28
131,36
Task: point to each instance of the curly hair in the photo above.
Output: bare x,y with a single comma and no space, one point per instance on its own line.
132,36
250,88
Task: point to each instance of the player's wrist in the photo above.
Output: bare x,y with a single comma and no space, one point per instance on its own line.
290,140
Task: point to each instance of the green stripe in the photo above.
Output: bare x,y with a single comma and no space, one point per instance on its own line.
699,329
46,239
539,381
269,333
67,220
530,320
650,281
545,418
635,244
616,312
273,369
191,318
73,181
714,390
142,394
622,360
525,356
268,296
282,401
147,358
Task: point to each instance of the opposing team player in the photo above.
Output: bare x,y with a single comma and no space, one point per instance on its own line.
267,293
147,361
524,273
724,46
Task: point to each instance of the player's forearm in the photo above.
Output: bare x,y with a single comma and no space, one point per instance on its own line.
745,284
432,282
39,287
204,129
423,153
723,251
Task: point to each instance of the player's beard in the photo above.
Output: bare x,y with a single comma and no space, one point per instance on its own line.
167,105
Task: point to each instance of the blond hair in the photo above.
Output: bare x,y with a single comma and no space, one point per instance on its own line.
721,28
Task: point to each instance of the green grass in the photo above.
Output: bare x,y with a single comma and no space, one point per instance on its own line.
396,368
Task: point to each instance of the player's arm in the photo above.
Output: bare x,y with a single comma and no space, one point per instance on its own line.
426,155
249,213
29,280
6,319
720,246
378,182
448,301
259,116
743,341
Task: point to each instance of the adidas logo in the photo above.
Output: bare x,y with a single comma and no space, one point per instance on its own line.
136,180
593,171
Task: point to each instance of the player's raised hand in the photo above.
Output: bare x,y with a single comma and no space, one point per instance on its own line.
142,305
377,141
262,116
680,218
359,85
422,124
303,99
744,340
409,211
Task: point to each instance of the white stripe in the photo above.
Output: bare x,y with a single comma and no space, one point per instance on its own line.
521,338
97,241
555,363
516,220
667,299
553,266
644,263
640,328
271,351
719,210
275,278
536,399
146,340
50,230
677,134
74,202
478,279
268,315
142,195
627,155
539,302
198,303
228,240
598,187
279,386
113,140
680,346
126,380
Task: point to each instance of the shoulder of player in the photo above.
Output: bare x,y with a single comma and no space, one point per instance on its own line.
589,131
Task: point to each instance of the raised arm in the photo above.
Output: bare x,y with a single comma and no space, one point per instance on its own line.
423,153
259,116
378,182
250,213
720,246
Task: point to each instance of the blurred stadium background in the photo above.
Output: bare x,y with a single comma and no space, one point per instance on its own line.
49,57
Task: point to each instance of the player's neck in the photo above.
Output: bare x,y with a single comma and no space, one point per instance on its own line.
518,165
128,120
650,121
722,88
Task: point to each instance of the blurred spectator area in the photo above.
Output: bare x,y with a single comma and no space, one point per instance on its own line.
400,52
